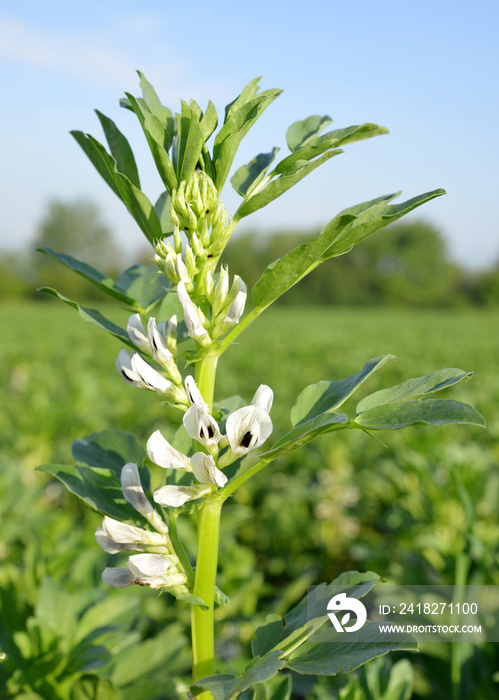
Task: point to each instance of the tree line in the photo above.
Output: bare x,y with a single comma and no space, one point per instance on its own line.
405,264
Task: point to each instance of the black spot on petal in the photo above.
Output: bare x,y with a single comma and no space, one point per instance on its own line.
247,438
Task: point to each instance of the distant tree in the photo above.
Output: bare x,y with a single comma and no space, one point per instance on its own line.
75,228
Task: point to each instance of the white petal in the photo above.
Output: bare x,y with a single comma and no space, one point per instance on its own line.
192,390
149,376
247,428
144,565
263,398
136,333
236,309
174,496
124,367
117,577
157,340
111,547
134,494
206,471
181,269
201,426
164,455
122,533
192,318
154,570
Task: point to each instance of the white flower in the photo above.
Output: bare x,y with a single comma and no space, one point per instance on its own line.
193,393
175,496
155,570
192,316
137,334
205,470
181,270
112,547
117,577
164,455
157,334
201,426
263,398
137,372
171,335
134,494
249,427
233,309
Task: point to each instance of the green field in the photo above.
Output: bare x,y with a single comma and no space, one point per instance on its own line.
407,509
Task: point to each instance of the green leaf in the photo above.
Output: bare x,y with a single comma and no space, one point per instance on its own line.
333,139
134,199
188,144
282,274
414,388
325,655
308,431
91,687
289,177
92,316
99,489
103,282
301,132
240,117
144,283
148,656
282,689
394,416
225,686
163,209
110,449
268,635
327,396
221,598
344,231
158,139
356,584
120,149
162,113
248,177
371,217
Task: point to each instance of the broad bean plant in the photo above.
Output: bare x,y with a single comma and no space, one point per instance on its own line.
185,310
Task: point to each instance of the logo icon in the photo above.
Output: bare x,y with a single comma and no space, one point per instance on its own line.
339,603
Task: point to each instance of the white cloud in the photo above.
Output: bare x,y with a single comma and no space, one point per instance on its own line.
83,56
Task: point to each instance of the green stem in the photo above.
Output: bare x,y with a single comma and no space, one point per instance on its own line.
206,371
179,547
241,326
202,621
203,642
242,476
463,563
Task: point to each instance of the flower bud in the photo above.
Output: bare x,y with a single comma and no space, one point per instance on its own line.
137,334
234,307
194,203
134,494
171,335
192,316
205,470
165,455
173,496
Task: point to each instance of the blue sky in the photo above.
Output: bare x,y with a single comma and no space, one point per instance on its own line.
426,70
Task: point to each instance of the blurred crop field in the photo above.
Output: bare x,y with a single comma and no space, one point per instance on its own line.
406,509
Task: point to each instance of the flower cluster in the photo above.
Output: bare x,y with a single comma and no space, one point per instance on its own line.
246,429
156,564
160,342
